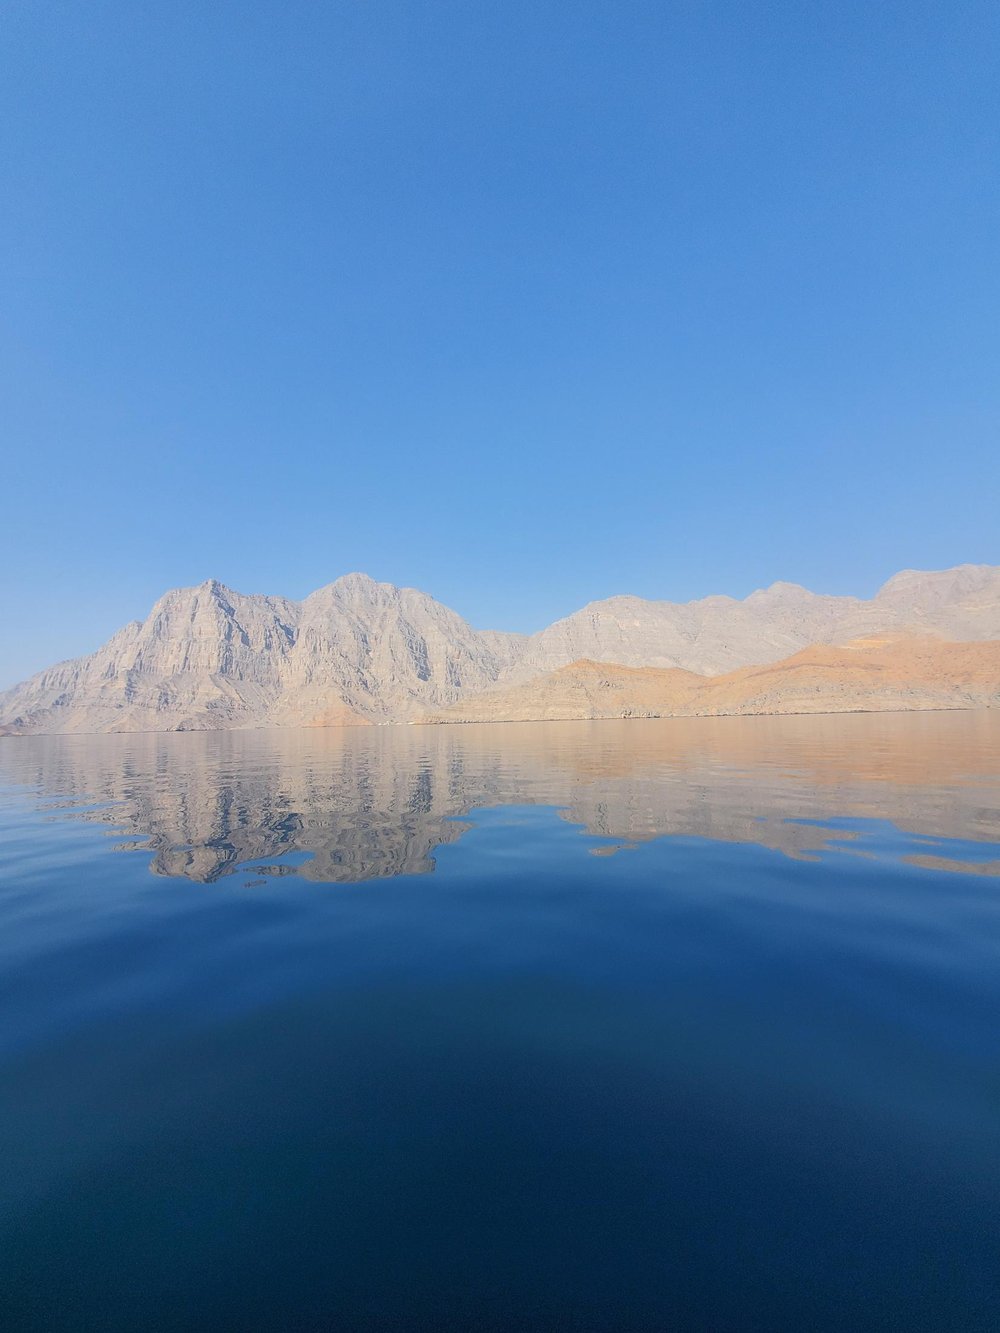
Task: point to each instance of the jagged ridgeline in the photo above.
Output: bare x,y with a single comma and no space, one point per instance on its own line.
358,652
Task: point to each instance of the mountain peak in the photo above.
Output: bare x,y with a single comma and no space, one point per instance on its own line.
965,577
358,579
211,588
355,589
779,589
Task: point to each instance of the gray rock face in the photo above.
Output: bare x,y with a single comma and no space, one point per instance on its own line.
380,652
203,658
357,651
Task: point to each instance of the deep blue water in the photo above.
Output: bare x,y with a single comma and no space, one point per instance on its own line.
601,1026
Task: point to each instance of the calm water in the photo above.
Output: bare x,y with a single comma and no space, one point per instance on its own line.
651,1025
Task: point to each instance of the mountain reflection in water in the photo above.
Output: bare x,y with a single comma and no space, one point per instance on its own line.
347,805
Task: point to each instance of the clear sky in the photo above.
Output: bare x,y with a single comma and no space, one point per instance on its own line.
521,303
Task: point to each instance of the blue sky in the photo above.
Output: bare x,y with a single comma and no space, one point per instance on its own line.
522,304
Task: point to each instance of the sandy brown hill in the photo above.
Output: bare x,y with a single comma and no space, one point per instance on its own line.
584,689
884,673
891,672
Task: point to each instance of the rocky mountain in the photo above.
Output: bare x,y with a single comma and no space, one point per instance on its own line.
358,651
208,658
204,657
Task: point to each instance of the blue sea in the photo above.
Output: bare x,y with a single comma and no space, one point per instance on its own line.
644,1025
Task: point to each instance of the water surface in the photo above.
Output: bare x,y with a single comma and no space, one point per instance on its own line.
686,1025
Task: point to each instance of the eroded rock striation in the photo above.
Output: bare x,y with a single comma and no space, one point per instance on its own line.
358,652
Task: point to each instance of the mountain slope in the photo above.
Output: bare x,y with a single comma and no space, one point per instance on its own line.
203,658
895,673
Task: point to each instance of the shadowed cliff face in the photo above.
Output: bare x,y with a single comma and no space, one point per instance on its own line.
349,805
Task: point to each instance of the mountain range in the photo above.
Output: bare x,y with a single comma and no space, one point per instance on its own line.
358,652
